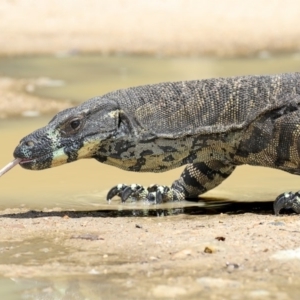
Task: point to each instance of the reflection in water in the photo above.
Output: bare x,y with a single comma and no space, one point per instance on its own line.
204,207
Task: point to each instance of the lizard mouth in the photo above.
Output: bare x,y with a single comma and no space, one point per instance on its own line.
45,161
36,163
26,160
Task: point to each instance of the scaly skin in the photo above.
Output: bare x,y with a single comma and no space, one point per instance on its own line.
209,125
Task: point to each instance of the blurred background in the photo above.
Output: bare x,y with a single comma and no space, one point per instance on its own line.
159,27
56,54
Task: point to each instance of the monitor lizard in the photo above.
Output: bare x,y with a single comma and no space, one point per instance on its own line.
210,125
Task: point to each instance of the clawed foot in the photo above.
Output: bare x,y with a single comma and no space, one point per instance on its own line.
155,194
287,201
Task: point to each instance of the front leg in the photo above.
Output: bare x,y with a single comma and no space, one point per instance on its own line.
195,180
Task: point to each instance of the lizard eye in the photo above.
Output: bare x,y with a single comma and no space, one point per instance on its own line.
72,126
75,124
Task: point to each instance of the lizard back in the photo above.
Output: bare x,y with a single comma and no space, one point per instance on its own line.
176,109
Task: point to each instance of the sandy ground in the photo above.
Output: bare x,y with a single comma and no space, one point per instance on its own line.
194,27
223,256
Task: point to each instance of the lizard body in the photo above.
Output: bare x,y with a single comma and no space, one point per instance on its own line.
210,125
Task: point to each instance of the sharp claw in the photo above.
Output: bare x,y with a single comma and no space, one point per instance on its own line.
281,202
159,197
116,190
155,194
151,197
112,192
126,193
288,201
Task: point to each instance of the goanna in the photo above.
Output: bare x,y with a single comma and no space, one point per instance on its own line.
210,125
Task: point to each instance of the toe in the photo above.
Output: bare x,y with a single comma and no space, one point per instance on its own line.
115,191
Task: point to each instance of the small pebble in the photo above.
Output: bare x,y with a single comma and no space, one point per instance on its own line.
209,250
232,266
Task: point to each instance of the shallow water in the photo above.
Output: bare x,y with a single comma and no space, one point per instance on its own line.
82,186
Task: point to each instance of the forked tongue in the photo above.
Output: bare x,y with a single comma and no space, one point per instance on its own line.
10,166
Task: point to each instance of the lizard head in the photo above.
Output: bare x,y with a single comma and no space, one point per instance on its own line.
72,134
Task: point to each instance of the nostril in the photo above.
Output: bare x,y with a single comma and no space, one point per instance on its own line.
29,144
